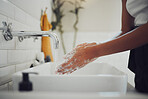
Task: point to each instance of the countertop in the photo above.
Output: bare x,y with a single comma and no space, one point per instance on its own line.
131,94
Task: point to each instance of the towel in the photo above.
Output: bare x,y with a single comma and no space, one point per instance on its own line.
46,45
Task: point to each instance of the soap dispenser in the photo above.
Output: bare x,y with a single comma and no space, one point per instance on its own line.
26,84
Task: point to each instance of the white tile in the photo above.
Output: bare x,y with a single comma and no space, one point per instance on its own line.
14,25
36,44
33,54
4,87
29,43
20,67
32,7
25,44
18,56
36,24
2,18
17,26
20,15
3,57
6,73
29,20
7,8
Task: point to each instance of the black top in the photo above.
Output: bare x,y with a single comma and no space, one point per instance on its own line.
138,63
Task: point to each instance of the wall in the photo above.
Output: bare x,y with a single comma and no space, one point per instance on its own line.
97,15
15,55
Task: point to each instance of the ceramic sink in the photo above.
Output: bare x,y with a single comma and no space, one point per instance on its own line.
94,77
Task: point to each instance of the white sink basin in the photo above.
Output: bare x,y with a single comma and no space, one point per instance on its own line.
95,77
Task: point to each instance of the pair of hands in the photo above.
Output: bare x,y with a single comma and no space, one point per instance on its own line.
78,58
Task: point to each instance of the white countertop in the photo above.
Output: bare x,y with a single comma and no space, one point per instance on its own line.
131,94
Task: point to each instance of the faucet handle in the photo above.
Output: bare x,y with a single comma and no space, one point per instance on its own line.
4,23
7,31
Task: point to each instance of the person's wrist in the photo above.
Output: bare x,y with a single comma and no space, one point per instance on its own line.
94,52
98,49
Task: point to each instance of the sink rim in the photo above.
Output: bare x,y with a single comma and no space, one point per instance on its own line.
50,65
91,75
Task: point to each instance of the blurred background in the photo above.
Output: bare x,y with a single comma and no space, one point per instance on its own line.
99,21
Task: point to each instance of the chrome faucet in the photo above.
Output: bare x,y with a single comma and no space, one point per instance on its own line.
8,34
38,34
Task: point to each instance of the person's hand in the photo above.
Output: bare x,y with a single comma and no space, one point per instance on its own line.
78,57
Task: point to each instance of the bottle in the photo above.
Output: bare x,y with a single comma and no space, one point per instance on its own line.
26,84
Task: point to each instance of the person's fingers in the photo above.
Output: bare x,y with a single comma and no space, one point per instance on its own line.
72,60
65,66
80,46
75,59
76,67
76,64
70,70
83,44
70,54
91,44
71,65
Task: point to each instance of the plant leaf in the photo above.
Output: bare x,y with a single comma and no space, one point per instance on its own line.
61,4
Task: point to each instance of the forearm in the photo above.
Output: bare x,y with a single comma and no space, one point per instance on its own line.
120,34
130,40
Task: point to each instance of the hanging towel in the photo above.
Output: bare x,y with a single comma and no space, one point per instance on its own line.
46,45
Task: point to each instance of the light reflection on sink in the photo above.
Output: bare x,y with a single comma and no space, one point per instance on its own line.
95,77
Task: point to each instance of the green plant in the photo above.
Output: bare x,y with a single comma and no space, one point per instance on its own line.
77,6
58,12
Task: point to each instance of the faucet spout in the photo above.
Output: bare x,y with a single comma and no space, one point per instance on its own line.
55,39
38,34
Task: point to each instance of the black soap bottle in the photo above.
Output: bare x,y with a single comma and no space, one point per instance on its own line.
25,84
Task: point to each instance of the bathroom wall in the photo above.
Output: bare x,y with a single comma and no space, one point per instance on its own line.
14,55
97,15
